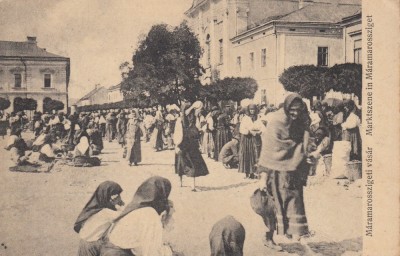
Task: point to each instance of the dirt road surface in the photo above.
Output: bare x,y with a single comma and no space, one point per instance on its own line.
38,210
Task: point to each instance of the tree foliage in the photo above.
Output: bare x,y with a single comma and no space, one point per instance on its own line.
306,80
4,103
345,78
21,104
309,80
50,105
229,88
166,67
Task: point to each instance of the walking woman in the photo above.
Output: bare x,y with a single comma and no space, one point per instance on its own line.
121,129
157,137
283,169
97,216
133,135
139,228
188,159
250,131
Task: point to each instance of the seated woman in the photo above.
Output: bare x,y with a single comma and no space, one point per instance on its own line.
227,237
97,216
96,141
17,147
139,228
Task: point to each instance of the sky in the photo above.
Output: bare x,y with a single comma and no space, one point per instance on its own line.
97,35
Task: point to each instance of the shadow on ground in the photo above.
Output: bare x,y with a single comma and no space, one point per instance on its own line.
325,248
204,188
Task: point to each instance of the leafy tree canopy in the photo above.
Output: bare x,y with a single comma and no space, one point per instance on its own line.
166,67
4,103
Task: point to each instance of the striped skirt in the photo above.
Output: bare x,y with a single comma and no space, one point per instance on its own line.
287,191
248,154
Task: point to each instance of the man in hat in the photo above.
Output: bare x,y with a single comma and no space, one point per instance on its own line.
229,153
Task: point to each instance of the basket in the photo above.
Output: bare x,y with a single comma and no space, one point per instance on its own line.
354,170
328,164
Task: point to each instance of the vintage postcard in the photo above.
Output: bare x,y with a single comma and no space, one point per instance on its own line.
199,127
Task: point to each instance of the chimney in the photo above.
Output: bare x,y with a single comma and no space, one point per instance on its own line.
96,86
31,39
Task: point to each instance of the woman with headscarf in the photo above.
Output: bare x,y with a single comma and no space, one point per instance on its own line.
351,130
250,131
223,132
121,129
139,228
283,168
227,237
188,159
97,216
157,136
133,135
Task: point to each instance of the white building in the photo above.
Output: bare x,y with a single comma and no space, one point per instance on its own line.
115,94
27,71
260,38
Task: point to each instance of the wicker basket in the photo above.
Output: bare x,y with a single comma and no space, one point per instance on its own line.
354,170
328,164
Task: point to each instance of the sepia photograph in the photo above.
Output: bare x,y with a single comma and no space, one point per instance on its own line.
199,127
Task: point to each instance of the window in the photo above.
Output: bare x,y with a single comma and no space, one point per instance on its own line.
18,80
221,51
252,60
263,96
47,80
239,63
322,56
208,51
263,57
357,52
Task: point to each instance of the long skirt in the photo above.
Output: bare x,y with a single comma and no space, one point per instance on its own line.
287,190
223,136
354,136
208,144
159,140
248,154
134,151
89,248
190,163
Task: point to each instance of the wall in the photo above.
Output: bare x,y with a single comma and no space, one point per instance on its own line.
115,95
33,80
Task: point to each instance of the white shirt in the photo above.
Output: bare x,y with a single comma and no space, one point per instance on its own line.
95,227
351,122
141,232
246,125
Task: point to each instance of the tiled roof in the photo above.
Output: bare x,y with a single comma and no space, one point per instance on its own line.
118,86
91,93
24,49
321,12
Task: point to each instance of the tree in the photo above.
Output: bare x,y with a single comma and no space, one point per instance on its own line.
306,80
49,105
4,103
229,88
166,67
345,78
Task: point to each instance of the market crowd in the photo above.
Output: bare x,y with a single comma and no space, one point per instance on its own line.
281,146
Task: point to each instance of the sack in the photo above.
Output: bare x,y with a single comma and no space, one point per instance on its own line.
261,201
263,204
125,152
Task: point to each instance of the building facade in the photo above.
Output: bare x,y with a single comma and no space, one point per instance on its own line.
99,95
261,38
27,71
115,94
